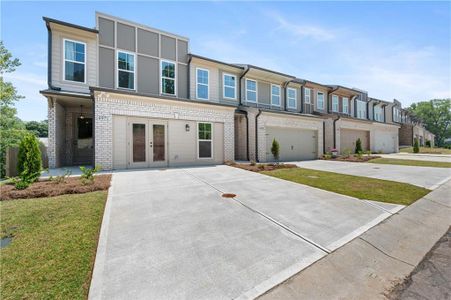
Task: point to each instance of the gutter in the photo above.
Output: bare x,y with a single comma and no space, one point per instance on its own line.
239,91
256,135
49,58
93,129
324,137
335,132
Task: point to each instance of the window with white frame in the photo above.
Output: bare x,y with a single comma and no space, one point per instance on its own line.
74,61
345,106
378,114
168,77
361,109
251,90
275,95
202,79
291,98
396,114
229,83
204,140
307,95
125,70
320,100
335,103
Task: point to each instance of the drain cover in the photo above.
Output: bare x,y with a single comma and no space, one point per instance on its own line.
228,195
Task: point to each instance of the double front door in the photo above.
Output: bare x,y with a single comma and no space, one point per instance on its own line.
147,143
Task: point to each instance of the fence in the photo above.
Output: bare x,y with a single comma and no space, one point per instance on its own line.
11,159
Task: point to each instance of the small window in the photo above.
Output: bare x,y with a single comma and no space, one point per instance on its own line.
204,140
168,78
251,90
345,105
361,109
307,95
74,61
291,98
229,83
320,100
275,95
378,115
202,83
125,70
335,103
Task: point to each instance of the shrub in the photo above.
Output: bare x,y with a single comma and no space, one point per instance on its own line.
358,146
275,149
87,175
368,153
253,163
327,156
61,178
29,162
428,143
416,146
347,153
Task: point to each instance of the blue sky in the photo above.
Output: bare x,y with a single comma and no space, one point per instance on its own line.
391,49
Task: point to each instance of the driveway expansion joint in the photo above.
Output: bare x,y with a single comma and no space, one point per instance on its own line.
385,253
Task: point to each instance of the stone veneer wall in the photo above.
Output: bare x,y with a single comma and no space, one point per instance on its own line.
109,104
406,135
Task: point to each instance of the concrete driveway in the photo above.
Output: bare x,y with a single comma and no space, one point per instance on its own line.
427,177
419,156
168,234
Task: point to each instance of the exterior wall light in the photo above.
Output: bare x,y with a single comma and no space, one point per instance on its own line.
187,127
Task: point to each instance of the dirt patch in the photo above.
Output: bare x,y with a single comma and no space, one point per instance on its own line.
48,188
353,158
263,167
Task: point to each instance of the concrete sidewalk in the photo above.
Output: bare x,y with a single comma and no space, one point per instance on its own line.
422,157
371,265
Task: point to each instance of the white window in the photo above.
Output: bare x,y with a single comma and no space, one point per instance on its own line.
125,70
396,114
345,105
251,90
307,93
74,61
229,83
320,100
335,103
202,79
291,98
168,75
361,109
204,140
275,95
378,114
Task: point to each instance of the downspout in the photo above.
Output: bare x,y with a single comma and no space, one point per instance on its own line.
354,106
368,110
239,90
256,135
324,137
302,97
247,136
189,76
49,59
93,129
335,132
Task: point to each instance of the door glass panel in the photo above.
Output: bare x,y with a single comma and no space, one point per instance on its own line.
158,143
139,142
84,134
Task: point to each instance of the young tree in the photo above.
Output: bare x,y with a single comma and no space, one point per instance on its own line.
416,146
275,149
11,127
358,146
29,163
436,116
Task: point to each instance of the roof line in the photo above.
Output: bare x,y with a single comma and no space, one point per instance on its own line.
50,20
266,70
215,61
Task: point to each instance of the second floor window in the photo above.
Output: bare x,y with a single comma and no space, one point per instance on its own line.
378,116
307,95
361,109
275,95
125,70
345,105
167,77
291,98
74,61
251,90
229,82
202,83
320,100
396,114
335,103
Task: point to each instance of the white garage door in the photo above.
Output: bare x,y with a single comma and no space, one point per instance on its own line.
385,142
295,144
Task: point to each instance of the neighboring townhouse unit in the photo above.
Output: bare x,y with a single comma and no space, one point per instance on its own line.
125,95
412,129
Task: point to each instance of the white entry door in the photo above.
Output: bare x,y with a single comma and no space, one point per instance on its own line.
147,143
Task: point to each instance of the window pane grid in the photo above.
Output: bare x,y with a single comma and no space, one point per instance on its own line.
126,70
74,61
167,78
251,90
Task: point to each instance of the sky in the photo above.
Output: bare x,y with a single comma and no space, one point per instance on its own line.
390,49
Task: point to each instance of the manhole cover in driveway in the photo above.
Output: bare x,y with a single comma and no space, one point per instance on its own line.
376,168
228,195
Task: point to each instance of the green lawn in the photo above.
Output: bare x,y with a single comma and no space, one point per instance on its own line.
355,186
427,150
408,162
52,253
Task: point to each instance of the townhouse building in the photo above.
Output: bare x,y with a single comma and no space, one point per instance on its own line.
125,95
411,129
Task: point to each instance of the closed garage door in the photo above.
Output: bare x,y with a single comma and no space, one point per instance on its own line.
295,144
385,142
348,137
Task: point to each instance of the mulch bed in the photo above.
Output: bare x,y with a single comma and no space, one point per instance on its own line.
364,158
47,188
263,167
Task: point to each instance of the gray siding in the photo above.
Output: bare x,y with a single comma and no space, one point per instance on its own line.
148,79
148,42
182,49
125,37
106,32
182,81
168,46
106,67
264,92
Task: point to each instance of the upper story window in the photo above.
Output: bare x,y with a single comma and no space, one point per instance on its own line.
320,100
378,114
345,105
335,103
74,61
307,95
361,109
229,83
275,95
396,114
202,83
125,70
291,98
251,90
168,77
